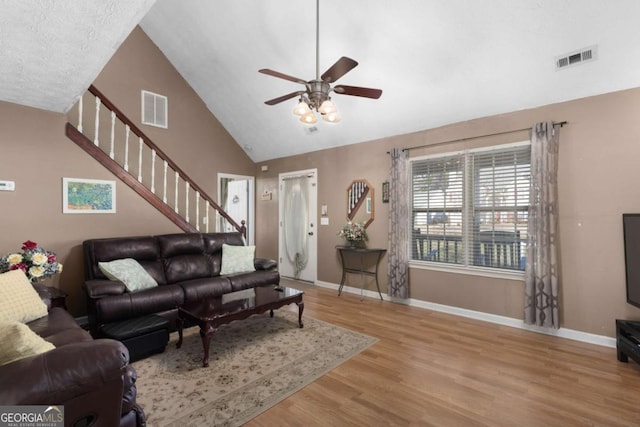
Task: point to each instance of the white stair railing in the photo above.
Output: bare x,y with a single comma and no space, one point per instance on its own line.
118,151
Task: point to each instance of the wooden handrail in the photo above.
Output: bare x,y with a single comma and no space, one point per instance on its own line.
82,141
121,116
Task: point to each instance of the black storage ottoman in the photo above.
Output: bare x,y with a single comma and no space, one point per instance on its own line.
143,336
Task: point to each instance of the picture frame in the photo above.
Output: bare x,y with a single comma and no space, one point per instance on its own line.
385,192
88,196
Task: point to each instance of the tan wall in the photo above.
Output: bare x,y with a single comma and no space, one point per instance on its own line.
37,155
598,181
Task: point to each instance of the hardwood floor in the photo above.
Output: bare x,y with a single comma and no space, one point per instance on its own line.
436,369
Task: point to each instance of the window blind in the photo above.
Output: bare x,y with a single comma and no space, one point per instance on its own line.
471,208
501,181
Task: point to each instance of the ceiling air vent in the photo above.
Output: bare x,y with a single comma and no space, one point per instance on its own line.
577,57
154,109
311,130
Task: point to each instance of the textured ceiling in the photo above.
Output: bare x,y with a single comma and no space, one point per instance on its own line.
51,51
438,62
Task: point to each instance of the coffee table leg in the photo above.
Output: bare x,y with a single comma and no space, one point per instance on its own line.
180,326
206,332
300,310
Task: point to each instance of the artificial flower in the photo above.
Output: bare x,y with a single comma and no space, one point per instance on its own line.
353,231
14,258
29,245
39,259
35,261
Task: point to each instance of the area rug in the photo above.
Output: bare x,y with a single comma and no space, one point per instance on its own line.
253,364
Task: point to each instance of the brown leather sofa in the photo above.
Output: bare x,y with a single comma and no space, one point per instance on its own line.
186,267
91,378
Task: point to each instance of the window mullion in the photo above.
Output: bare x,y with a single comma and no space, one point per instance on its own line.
467,207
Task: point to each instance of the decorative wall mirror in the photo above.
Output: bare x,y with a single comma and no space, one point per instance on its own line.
360,202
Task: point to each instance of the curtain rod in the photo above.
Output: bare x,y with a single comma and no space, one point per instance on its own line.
561,124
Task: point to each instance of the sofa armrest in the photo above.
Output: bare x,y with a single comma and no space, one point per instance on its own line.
99,288
65,373
265,264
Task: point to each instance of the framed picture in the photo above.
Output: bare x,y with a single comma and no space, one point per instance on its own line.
88,196
385,192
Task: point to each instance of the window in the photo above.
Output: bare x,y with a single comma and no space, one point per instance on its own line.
470,209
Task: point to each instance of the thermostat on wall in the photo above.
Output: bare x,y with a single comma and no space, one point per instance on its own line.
7,185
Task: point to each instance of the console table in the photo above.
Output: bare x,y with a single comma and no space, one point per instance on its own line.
360,261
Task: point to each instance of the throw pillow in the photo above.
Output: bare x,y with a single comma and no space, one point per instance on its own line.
19,301
17,341
129,272
237,259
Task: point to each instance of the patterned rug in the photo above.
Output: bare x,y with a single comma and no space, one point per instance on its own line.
253,364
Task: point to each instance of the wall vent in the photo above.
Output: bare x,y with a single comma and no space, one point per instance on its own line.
311,130
154,109
578,57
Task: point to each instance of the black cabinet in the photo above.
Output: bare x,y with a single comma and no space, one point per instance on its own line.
628,340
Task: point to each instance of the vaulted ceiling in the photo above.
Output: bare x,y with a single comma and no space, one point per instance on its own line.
437,62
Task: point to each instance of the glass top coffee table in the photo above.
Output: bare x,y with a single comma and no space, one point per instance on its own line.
210,313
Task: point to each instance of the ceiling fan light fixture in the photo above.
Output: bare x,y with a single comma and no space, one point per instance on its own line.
301,109
316,93
309,118
327,107
331,117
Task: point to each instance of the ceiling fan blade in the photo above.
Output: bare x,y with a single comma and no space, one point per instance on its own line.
282,76
278,100
339,69
365,92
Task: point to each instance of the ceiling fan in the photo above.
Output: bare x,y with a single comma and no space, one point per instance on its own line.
316,93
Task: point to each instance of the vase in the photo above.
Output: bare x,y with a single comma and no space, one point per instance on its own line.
356,244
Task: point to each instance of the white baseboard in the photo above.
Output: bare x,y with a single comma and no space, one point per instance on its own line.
479,315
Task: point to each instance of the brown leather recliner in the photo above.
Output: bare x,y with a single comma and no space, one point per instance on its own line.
91,378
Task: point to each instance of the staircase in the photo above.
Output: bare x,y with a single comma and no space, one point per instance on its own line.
128,153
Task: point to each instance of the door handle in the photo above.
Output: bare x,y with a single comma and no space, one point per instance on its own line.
311,233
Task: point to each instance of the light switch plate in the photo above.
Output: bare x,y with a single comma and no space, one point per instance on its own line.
7,185
324,220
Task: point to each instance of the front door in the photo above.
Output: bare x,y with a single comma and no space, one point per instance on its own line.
297,248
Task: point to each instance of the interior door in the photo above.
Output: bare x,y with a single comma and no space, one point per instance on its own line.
297,241
236,197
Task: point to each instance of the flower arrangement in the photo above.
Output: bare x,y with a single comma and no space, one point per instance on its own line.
35,261
353,232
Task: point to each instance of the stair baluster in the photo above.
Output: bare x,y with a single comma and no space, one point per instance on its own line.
107,157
